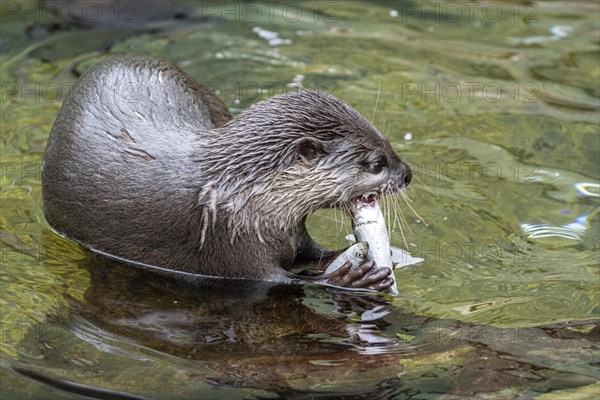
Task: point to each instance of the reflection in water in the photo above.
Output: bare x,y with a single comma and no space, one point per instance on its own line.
557,32
573,230
235,333
588,189
197,335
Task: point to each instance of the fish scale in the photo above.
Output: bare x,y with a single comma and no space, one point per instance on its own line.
369,226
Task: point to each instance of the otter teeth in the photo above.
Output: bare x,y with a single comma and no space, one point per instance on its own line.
368,199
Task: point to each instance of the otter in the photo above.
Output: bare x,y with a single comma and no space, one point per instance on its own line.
145,165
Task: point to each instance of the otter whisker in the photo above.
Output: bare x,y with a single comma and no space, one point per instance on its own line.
392,201
377,99
415,176
386,206
345,211
347,219
387,133
396,205
339,222
398,218
425,185
413,210
404,238
403,218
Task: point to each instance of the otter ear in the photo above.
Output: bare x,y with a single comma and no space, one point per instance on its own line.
310,149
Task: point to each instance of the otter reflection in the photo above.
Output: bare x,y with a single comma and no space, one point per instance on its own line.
282,338
251,333
142,332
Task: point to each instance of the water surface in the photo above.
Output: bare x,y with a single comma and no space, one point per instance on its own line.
496,108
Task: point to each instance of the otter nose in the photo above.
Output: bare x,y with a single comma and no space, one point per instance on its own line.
402,174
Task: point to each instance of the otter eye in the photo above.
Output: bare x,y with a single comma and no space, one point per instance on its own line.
376,166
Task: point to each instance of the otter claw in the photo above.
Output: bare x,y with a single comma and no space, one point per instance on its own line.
363,277
377,277
383,285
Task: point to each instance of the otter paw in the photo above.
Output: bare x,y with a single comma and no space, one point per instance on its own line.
363,277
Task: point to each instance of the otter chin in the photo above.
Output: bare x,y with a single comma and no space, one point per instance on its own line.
145,165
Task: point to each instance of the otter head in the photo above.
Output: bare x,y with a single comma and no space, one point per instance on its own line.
295,153
339,155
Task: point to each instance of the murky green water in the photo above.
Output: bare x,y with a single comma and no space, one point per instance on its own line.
494,105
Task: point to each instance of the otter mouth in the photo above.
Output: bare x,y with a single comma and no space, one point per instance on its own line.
369,199
355,204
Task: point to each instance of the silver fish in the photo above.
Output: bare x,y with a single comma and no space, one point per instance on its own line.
369,226
356,254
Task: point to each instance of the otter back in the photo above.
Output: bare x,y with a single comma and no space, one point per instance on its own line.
117,176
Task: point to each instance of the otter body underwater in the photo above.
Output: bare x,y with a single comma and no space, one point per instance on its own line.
146,165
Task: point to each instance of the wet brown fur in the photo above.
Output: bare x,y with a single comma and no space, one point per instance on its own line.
145,164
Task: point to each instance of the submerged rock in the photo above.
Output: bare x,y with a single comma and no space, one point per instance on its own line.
104,15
